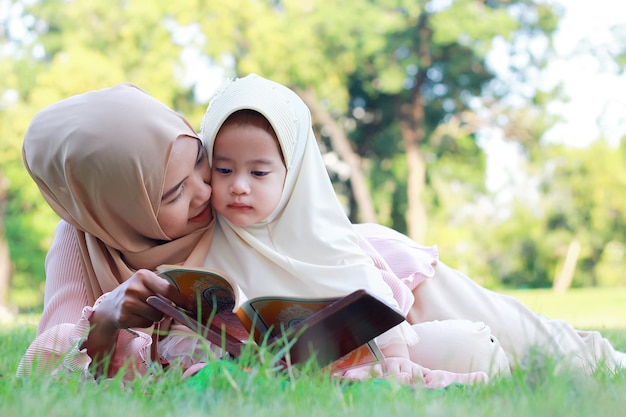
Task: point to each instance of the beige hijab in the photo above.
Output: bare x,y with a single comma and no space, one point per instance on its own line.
307,246
99,159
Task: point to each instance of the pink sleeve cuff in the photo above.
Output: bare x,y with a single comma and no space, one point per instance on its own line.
58,350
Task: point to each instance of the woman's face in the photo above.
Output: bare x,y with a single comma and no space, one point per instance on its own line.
185,205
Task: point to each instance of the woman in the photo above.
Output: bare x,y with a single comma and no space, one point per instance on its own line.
129,178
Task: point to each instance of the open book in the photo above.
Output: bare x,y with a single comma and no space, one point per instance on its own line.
335,331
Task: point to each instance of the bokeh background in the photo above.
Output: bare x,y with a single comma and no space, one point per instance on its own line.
493,129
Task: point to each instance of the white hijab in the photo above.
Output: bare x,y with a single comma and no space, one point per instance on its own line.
307,246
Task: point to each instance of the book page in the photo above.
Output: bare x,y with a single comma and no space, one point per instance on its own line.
367,354
276,313
209,290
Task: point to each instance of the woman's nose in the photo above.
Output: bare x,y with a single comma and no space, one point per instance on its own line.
202,189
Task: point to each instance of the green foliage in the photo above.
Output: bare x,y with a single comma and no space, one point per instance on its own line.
577,198
582,200
71,48
523,261
367,62
468,20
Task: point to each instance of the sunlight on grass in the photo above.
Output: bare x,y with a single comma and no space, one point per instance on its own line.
584,308
230,389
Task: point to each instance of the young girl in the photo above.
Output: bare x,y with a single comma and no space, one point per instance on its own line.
443,294
302,238
280,228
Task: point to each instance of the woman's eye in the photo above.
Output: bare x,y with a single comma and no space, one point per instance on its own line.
179,195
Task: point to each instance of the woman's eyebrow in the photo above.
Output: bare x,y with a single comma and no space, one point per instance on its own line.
201,151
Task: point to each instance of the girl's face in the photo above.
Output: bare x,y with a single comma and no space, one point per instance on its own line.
185,204
248,174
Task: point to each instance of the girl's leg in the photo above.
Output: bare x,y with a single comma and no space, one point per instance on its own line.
460,346
449,294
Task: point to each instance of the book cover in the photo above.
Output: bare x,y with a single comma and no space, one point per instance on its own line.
328,329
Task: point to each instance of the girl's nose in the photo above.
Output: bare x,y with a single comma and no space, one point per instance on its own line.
239,186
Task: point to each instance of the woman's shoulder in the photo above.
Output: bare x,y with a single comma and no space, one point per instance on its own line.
65,238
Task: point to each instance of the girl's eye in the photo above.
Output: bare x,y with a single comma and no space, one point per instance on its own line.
223,170
259,173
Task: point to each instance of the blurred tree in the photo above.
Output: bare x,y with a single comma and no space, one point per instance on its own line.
568,226
582,201
433,76
399,91
54,49
387,72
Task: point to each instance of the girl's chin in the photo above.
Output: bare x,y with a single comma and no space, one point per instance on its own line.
240,221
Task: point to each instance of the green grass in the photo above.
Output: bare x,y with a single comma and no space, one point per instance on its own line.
226,391
596,308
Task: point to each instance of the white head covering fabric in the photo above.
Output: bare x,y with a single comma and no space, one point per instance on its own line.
307,246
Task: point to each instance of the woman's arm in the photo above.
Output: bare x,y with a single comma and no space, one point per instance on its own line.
68,321
65,293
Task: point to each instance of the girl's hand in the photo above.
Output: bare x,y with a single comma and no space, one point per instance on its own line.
399,369
405,371
441,379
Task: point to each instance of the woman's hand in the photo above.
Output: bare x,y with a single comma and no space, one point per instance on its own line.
126,307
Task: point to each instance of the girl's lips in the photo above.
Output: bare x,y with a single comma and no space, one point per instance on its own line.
204,214
238,206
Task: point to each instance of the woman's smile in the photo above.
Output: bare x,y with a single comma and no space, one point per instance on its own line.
204,214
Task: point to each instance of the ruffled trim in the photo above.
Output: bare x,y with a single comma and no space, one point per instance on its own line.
216,94
184,347
58,350
423,261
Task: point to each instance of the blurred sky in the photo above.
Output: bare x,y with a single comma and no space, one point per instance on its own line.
597,105
597,92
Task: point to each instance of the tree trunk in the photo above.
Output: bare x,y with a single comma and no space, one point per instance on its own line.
563,280
416,217
412,122
5,260
341,144
5,273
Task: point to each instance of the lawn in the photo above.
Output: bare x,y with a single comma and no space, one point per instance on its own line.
593,308
226,390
